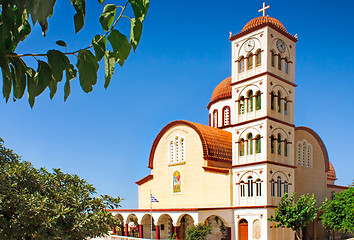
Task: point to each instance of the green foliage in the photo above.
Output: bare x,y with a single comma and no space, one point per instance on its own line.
338,214
15,27
197,232
37,204
295,215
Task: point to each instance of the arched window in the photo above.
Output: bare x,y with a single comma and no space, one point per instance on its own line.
258,144
241,105
176,182
272,100
249,61
279,187
242,188
273,58
304,154
309,153
177,157
299,148
258,101
286,187
209,119
285,148
258,188
226,116
249,144
258,58
215,118
272,188
182,149
279,61
285,106
250,101
250,186
272,144
241,64
242,147
172,152
286,65
279,144
279,101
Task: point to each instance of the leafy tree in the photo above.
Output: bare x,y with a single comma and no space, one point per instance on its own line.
197,232
295,215
37,204
338,214
15,26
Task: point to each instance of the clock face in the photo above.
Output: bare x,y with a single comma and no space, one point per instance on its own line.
249,45
281,45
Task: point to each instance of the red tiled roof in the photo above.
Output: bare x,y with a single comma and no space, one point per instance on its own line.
222,91
261,20
331,174
216,143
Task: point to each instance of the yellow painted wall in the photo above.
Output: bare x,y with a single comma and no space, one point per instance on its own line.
199,188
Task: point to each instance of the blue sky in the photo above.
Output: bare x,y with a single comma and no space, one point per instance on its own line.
106,136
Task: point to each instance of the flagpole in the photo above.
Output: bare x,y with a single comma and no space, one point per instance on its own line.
150,215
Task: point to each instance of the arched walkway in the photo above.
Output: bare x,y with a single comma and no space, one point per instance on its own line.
165,227
185,222
243,229
119,230
146,226
132,226
218,228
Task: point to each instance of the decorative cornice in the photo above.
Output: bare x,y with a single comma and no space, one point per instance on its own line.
258,119
264,162
337,186
145,179
262,74
216,170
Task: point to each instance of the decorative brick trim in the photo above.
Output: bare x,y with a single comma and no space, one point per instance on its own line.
216,170
268,162
259,119
145,179
262,74
337,186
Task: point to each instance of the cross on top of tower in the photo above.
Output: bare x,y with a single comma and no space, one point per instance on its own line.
263,9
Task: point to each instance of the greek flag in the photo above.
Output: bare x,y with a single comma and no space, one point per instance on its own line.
153,199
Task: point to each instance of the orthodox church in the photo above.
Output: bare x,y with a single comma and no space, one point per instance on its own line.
231,174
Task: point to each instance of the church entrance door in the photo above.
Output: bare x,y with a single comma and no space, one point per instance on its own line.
243,229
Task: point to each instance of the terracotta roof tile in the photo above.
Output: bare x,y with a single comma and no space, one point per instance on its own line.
331,174
216,143
222,91
261,20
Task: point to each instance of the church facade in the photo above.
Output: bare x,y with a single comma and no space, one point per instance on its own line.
231,174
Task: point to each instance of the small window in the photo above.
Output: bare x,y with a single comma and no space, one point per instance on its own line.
242,147
258,144
286,65
250,101
215,118
258,188
272,100
250,186
279,101
286,187
279,144
272,143
285,106
279,61
250,144
172,152
182,149
249,61
209,119
273,58
241,64
272,188
226,116
242,189
258,101
285,148
241,106
258,58
279,192
177,157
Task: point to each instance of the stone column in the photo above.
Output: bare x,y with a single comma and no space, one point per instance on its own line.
175,230
126,230
157,232
140,231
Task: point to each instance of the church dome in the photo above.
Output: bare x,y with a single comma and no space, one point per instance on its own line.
263,20
331,174
222,91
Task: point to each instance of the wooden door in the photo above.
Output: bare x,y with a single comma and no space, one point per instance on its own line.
243,229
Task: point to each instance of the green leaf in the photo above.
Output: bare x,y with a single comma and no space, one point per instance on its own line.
88,67
71,73
25,29
99,45
107,16
31,86
40,11
43,77
6,75
79,17
19,82
110,62
61,43
135,32
101,1
121,46
58,62
140,8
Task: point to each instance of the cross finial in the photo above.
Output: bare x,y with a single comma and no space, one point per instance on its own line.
263,9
